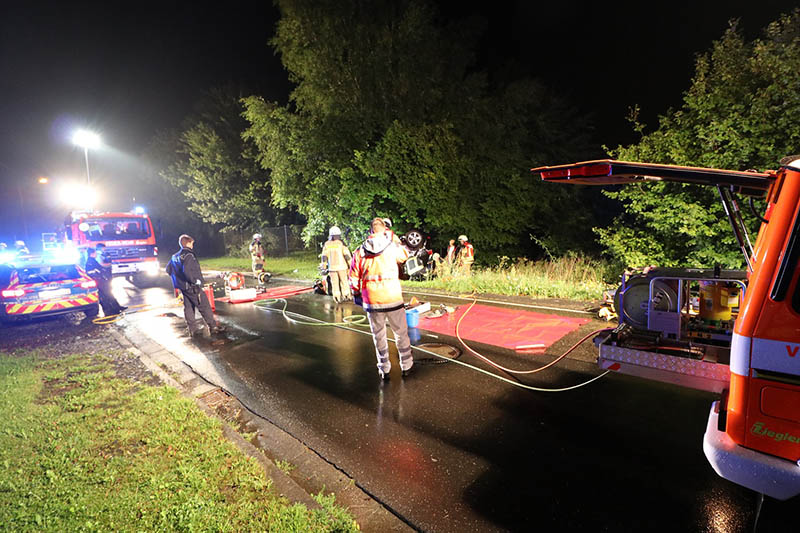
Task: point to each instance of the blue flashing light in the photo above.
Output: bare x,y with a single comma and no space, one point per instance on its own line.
67,255
7,257
139,210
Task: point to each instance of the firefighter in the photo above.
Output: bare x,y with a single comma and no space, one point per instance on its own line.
466,255
451,252
337,257
375,281
388,223
257,254
184,269
20,248
100,271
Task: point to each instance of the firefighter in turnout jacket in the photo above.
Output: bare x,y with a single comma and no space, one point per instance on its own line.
257,254
374,276
100,272
466,255
184,269
337,257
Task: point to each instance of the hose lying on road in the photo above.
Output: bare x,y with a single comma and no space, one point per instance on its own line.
110,319
511,370
311,321
352,320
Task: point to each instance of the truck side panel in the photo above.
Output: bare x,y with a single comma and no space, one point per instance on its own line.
764,401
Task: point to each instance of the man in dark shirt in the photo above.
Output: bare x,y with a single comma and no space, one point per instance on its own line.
184,269
100,272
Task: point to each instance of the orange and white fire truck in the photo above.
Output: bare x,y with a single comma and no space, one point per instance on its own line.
727,331
129,239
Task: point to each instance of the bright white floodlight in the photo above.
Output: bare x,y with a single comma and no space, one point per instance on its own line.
86,139
77,196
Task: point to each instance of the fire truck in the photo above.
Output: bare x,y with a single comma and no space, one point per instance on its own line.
733,332
129,239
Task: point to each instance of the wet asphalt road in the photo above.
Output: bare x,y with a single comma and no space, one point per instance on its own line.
450,449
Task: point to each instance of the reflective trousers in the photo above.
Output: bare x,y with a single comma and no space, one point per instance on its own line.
397,321
339,285
192,302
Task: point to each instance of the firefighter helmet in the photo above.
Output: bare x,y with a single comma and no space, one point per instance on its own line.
334,231
462,238
387,222
256,236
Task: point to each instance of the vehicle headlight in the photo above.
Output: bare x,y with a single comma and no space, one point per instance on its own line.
151,267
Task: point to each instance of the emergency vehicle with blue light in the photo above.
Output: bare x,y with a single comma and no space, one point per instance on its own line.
734,332
129,239
33,286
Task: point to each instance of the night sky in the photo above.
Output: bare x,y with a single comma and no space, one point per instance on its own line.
127,70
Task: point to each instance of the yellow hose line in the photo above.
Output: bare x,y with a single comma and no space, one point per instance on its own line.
110,319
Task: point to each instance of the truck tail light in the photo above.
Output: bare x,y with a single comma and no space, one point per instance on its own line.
13,293
91,284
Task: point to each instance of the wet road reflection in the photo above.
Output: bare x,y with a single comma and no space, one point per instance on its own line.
453,450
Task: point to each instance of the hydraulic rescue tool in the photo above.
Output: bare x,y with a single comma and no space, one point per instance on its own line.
727,331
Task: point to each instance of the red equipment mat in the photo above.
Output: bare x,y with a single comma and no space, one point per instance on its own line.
278,292
509,328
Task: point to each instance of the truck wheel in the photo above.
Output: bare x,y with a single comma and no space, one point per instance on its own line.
414,239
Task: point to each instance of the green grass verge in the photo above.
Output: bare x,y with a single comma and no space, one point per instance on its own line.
302,265
573,278
81,450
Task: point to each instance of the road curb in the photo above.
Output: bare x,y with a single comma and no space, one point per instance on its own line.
285,485
311,473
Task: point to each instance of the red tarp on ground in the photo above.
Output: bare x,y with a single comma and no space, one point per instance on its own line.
278,292
499,326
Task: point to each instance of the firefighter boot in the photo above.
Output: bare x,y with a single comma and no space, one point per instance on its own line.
384,366
406,363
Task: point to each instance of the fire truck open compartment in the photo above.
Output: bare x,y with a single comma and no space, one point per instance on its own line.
735,332
676,324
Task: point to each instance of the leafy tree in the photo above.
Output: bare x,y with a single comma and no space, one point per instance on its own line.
390,117
737,114
216,171
167,206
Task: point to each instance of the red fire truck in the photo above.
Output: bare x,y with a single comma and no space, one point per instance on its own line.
129,239
742,337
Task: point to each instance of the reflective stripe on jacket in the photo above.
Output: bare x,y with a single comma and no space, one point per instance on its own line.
337,255
257,252
374,272
466,256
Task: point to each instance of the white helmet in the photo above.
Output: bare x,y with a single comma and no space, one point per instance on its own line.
462,238
334,231
256,236
387,222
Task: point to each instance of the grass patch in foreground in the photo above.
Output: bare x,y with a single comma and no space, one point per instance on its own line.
81,450
573,278
304,262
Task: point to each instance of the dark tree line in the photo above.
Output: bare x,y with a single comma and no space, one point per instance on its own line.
390,115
